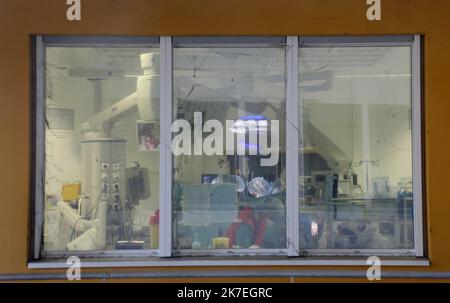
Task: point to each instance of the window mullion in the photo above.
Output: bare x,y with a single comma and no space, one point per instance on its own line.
292,128
417,145
39,155
165,232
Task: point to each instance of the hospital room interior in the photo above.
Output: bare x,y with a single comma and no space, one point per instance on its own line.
102,169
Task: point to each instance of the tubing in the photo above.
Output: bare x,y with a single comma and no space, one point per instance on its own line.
73,218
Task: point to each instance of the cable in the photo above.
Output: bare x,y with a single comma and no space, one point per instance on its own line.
86,216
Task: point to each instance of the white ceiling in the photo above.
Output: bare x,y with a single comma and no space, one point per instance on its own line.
203,74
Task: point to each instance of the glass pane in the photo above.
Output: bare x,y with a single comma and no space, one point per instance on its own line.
355,154
102,148
230,194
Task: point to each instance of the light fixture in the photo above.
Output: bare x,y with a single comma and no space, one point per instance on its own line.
250,123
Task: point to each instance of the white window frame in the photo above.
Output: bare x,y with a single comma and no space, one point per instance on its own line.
293,127
414,42
38,190
223,42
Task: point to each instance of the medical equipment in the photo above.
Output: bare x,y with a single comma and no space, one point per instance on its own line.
209,203
71,192
258,187
230,179
109,190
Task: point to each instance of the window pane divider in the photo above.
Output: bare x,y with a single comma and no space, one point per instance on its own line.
165,182
292,133
37,200
417,145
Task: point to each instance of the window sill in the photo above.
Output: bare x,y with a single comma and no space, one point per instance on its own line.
237,261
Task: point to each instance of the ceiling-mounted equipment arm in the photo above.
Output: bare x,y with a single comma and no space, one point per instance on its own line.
106,118
145,100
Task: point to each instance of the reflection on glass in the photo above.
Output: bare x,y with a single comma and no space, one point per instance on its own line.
102,140
229,194
355,154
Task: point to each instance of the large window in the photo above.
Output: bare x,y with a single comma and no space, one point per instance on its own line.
101,181
356,166
231,146
229,193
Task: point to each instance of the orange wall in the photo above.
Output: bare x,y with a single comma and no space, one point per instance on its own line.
21,18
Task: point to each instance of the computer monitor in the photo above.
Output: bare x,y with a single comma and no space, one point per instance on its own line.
208,178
